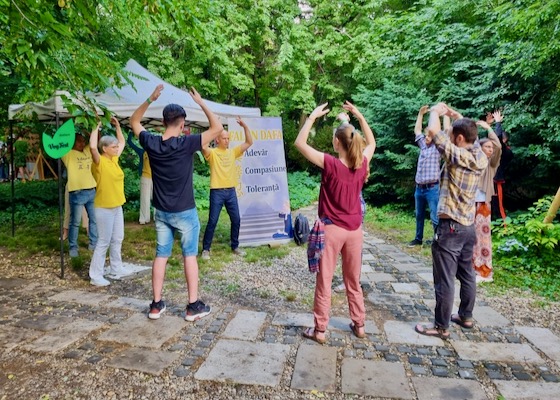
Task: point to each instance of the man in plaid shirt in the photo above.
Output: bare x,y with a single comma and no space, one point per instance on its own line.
455,236
427,180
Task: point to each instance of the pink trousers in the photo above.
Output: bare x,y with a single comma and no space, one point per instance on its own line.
349,245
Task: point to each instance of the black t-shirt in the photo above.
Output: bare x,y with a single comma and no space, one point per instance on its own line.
171,161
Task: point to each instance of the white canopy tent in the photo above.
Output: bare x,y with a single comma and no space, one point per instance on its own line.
123,101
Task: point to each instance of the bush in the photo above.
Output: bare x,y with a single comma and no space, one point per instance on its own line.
32,193
529,247
303,188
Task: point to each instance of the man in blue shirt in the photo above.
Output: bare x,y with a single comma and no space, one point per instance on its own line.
427,179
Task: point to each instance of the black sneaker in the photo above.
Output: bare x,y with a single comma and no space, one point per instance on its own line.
415,242
156,309
196,311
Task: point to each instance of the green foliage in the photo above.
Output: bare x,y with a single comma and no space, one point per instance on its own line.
303,188
32,194
201,185
527,249
388,56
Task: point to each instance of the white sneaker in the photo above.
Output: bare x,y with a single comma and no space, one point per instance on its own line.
118,275
239,252
100,282
205,255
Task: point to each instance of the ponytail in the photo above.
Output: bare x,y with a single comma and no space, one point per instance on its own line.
353,144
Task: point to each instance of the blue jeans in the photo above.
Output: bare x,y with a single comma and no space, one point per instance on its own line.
186,223
452,252
79,199
219,198
423,197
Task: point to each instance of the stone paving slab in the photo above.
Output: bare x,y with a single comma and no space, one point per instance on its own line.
368,257
44,322
246,325
543,339
448,389
130,303
140,331
12,283
402,258
343,324
387,248
81,297
512,390
248,363
411,267
406,288
375,277
486,317
427,276
315,368
498,352
11,336
385,299
366,268
375,378
149,361
59,339
292,319
403,332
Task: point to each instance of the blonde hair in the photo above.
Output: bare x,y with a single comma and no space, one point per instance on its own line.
353,143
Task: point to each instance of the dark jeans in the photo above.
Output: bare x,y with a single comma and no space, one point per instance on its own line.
422,198
218,199
452,252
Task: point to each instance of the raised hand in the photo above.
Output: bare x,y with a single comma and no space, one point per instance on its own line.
498,117
352,108
115,121
241,122
483,124
424,109
196,96
155,94
319,111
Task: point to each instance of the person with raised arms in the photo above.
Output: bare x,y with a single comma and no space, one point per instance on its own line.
171,160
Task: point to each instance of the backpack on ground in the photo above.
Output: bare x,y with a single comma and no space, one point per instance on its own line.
301,229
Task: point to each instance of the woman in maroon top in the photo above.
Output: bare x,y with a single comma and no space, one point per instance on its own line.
339,208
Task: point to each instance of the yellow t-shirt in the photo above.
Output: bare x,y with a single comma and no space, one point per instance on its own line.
110,183
146,169
222,167
78,164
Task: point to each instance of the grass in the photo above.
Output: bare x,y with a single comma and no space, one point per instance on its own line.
37,232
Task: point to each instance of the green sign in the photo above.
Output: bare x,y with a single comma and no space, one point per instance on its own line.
62,141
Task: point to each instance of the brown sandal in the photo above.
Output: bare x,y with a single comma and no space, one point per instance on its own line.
311,333
433,331
355,331
462,322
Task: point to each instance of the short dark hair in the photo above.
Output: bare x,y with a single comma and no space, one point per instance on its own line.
467,128
173,114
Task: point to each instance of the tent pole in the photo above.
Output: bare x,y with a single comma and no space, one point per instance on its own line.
12,163
60,208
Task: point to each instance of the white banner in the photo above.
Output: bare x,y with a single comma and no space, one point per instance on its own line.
262,192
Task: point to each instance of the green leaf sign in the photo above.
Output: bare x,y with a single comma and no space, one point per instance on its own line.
62,141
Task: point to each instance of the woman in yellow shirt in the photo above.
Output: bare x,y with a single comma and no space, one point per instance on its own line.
109,199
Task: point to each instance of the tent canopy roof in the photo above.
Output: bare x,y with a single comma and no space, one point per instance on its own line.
122,102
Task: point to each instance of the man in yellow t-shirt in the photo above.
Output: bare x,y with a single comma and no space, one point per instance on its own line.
223,180
81,192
